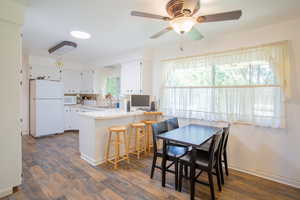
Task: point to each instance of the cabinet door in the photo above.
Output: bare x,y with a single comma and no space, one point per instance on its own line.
67,118
74,118
48,72
87,82
131,78
72,81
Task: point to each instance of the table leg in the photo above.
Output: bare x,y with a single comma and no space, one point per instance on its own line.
192,174
163,164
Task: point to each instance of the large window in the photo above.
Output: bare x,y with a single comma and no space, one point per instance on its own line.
236,86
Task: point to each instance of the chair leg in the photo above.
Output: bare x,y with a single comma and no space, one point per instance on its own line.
218,177
145,141
126,147
117,152
192,183
211,185
138,143
176,174
186,171
108,147
153,165
180,177
221,171
225,161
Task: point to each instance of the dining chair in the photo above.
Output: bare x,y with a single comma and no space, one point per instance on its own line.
174,152
205,162
172,123
223,153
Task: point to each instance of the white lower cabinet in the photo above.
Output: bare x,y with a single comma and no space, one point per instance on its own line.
71,118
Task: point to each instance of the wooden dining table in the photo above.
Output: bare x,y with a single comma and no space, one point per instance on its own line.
193,135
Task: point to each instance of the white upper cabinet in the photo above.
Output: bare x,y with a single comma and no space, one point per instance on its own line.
72,81
87,82
43,68
47,72
130,77
136,77
76,81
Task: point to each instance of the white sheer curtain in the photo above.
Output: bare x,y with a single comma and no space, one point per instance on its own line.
239,86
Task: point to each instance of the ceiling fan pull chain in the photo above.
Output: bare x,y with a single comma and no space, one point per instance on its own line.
181,42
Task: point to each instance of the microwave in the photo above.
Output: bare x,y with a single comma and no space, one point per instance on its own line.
70,100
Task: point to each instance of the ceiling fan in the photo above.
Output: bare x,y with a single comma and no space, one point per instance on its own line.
181,18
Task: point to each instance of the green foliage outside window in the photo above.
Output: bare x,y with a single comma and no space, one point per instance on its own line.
113,86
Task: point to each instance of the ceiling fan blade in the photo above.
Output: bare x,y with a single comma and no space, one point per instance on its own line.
192,5
194,34
161,32
149,15
233,15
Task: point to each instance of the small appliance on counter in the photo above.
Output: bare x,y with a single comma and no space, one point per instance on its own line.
89,102
153,106
70,100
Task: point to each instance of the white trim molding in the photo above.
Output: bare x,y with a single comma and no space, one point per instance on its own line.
266,175
90,160
5,192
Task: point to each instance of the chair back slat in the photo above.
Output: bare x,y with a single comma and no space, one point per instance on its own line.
225,136
214,149
172,123
157,129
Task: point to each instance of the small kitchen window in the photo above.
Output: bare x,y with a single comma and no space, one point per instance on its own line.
113,86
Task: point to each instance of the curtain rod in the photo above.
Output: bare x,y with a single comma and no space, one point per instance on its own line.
226,51
221,86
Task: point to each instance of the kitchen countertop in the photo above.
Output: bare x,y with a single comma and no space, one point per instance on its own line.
110,114
89,107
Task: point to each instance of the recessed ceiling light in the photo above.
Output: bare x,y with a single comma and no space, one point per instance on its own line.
80,34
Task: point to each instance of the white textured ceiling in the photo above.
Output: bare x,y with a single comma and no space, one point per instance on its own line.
114,31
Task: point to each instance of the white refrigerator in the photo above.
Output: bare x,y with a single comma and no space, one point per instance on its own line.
46,107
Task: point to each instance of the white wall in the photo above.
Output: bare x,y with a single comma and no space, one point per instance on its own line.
271,153
11,15
136,54
51,61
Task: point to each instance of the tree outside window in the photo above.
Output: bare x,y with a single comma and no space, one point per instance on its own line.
113,86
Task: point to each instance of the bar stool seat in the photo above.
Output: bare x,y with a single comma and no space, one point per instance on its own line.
118,128
140,138
149,133
138,125
116,132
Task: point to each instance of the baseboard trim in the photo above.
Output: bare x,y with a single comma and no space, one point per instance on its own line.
272,177
5,192
25,132
90,160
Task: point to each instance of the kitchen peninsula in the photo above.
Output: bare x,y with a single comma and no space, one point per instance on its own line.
93,131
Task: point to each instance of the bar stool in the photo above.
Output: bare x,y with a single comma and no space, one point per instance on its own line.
156,115
140,136
116,132
149,133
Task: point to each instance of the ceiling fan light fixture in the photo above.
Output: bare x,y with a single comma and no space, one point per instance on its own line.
182,25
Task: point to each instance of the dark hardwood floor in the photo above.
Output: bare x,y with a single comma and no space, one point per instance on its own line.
52,169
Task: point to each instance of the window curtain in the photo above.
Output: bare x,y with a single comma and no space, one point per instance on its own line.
253,90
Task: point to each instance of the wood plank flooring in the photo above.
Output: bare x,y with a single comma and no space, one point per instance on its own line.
52,169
